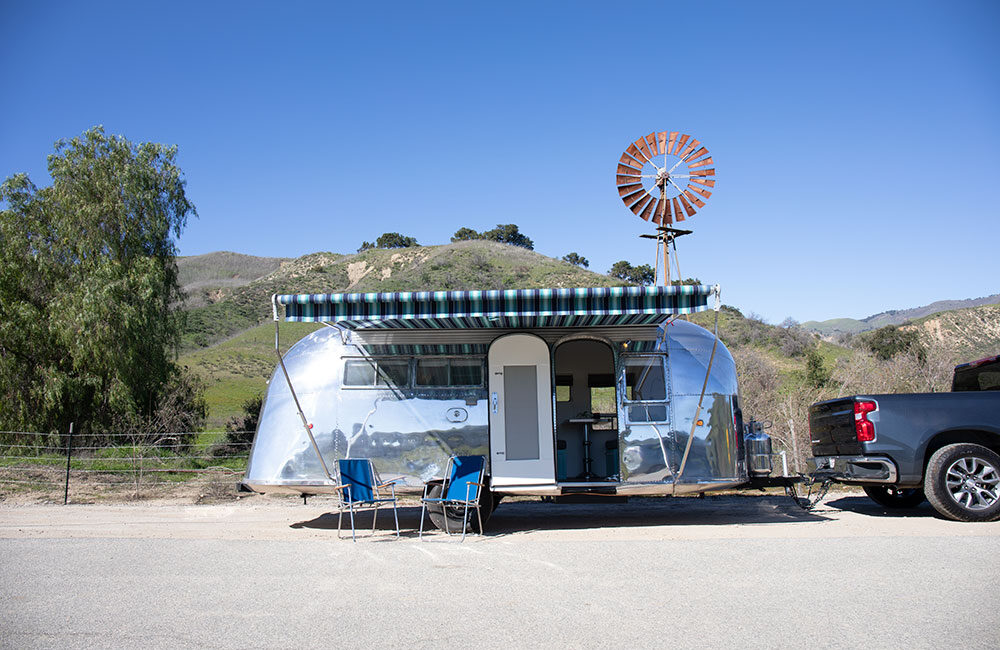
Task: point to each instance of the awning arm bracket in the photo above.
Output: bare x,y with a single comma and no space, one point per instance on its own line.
694,421
291,389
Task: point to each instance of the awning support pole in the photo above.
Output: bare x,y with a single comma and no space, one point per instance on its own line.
298,407
694,421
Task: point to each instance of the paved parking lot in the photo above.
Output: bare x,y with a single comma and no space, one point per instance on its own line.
716,572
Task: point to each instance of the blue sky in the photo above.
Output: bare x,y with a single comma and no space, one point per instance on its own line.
855,142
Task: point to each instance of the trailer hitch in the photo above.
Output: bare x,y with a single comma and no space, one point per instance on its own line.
816,486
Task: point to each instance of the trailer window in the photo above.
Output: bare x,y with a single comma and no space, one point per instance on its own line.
564,385
644,379
377,372
395,372
447,372
432,372
466,372
359,372
647,413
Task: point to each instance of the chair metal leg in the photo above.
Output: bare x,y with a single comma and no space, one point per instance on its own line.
395,516
354,535
479,516
374,518
465,520
340,517
423,507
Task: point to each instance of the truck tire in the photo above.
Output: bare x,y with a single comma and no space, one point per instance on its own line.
890,496
437,513
962,482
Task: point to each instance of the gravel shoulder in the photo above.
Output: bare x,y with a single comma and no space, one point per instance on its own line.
273,518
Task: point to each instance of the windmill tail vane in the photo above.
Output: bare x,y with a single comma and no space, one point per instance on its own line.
675,165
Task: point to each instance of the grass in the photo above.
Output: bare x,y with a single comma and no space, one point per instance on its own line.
239,368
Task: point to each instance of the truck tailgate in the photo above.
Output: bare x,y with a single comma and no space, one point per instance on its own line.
831,428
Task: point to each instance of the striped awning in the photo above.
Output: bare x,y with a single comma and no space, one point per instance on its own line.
521,308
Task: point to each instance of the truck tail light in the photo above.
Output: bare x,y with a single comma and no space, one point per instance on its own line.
863,428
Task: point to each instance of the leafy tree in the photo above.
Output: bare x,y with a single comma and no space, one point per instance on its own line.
466,234
508,233
240,429
578,260
890,341
817,374
89,295
642,274
686,282
394,240
366,246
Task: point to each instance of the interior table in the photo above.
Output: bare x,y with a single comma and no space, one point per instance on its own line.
587,423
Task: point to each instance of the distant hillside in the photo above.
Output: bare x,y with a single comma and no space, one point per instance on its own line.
970,333
834,326
203,276
229,309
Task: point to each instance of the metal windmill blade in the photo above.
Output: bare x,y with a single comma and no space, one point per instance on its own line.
665,176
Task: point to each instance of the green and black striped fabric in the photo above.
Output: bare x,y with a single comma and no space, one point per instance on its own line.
520,308
475,349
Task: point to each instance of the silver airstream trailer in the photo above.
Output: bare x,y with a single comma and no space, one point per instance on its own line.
564,391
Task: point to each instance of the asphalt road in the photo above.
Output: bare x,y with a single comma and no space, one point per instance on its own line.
722,572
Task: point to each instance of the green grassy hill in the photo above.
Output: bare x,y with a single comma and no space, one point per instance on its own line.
836,326
460,265
238,369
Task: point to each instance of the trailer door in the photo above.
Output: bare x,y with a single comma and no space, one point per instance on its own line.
520,404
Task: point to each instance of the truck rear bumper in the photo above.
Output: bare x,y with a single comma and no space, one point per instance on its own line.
858,469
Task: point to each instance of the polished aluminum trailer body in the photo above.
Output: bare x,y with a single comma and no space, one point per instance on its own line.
599,406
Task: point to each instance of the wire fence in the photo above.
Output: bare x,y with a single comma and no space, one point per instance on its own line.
116,466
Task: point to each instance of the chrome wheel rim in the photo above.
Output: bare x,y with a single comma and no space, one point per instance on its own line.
973,483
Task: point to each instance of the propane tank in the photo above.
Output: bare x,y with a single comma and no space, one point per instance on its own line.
758,449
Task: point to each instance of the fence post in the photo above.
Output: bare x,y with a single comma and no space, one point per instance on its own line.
69,454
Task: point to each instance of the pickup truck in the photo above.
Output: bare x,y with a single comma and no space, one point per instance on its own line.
901,449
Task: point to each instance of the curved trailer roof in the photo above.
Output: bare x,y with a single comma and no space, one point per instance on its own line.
521,308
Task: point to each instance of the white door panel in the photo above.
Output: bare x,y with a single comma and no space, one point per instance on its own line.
521,439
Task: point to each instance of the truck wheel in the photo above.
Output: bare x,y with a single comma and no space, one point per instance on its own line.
891,496
962,482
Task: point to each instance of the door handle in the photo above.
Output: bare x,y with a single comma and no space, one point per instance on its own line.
496,401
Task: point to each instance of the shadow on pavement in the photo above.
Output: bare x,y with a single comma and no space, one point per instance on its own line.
865,506
524,516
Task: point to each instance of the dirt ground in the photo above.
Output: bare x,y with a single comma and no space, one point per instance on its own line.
839,514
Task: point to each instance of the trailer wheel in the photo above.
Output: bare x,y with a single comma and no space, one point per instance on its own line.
891,496
436,513
962,482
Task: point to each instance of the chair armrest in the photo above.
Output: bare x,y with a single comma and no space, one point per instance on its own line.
388,483
341,487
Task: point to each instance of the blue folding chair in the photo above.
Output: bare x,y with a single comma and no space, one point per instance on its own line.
360,488
462,487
